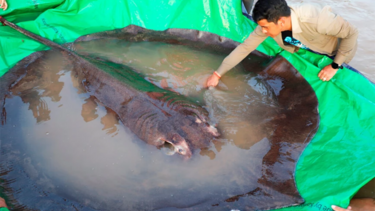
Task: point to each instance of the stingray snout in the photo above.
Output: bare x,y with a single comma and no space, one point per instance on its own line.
175,144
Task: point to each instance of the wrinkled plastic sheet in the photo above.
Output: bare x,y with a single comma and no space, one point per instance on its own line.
345,139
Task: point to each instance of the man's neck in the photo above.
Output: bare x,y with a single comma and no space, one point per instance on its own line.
288,24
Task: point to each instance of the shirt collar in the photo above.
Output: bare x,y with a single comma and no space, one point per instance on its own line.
296,28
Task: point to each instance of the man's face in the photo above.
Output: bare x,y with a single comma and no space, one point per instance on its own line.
270,28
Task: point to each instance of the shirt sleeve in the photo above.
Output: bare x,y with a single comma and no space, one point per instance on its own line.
334,25
3,209
242,50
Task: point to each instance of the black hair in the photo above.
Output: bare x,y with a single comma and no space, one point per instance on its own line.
271,10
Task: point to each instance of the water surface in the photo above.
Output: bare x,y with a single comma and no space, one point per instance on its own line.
61,145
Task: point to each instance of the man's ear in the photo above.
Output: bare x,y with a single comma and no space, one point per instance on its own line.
281,22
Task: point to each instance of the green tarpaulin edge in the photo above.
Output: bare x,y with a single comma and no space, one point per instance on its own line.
336,163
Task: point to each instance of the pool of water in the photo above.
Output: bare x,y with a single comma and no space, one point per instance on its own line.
62,149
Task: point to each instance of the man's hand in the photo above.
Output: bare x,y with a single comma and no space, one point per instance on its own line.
213,80
336,208
2,203
327,73
3,4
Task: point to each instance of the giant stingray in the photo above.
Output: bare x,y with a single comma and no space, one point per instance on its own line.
293,125
156,116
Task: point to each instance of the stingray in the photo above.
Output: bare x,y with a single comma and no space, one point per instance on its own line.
292,126
155,115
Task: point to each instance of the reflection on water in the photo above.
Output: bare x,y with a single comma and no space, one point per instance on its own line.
78,151
89,113
33,91
89,109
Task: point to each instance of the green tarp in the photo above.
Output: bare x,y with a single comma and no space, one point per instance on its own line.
338,161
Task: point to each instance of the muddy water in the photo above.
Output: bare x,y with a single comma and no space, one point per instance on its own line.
63,146
172,67
185,71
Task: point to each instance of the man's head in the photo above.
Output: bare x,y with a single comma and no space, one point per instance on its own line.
272,16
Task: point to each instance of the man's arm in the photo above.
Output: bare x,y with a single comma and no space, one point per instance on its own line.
237,55
242,50
334,25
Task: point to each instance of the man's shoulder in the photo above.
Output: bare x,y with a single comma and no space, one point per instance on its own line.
307,10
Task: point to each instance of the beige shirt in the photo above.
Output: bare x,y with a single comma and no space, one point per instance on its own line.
318,28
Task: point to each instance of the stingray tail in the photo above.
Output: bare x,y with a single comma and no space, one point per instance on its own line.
32,35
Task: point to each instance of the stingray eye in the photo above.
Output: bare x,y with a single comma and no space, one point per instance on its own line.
181,151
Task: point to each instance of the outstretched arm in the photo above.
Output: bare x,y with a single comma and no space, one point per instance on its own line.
237,55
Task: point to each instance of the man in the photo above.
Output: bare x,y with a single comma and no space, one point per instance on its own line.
303,26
